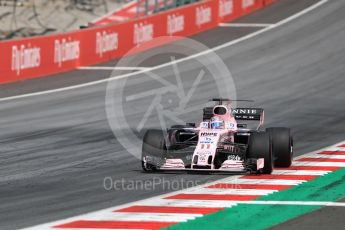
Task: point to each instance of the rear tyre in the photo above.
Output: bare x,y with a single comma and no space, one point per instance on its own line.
282,143
260,146
153,147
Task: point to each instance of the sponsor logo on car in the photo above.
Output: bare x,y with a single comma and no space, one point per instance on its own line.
106,42
208,134
25,57
245,111
66,50
232,148
204,125
230,125
234,158
206,140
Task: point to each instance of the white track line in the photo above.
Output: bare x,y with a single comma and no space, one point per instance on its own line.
269,181
327,156
190,203
147,216
299,203
111,68
225,45
245,25
300,172
313,163
220,204
261,192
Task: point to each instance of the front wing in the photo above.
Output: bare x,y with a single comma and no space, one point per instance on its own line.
228,166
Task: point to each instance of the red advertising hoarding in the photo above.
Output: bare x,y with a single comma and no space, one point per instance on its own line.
46,55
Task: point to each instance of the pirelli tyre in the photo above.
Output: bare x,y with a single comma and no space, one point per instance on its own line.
282,143
153,149
260,146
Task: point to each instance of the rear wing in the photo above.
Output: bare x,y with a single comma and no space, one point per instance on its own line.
248,114
240,114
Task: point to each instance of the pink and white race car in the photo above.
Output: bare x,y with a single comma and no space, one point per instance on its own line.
221,143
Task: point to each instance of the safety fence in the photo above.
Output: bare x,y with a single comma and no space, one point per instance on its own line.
42,56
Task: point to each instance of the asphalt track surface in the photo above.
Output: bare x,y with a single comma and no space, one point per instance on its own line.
56,149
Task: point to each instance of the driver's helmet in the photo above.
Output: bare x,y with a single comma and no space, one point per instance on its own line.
217,123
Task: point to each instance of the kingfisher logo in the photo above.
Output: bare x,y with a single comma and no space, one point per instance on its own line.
142,33
106,42
226,7
25,57
203,15
175,24
66,50
247,3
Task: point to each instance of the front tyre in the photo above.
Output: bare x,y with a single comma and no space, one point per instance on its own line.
154,147
282,142
260,146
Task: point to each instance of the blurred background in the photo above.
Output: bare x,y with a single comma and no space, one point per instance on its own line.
23,18
26,18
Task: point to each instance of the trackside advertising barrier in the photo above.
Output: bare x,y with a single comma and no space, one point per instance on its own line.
46,55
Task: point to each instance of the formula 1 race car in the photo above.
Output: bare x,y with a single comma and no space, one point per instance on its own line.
221,143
